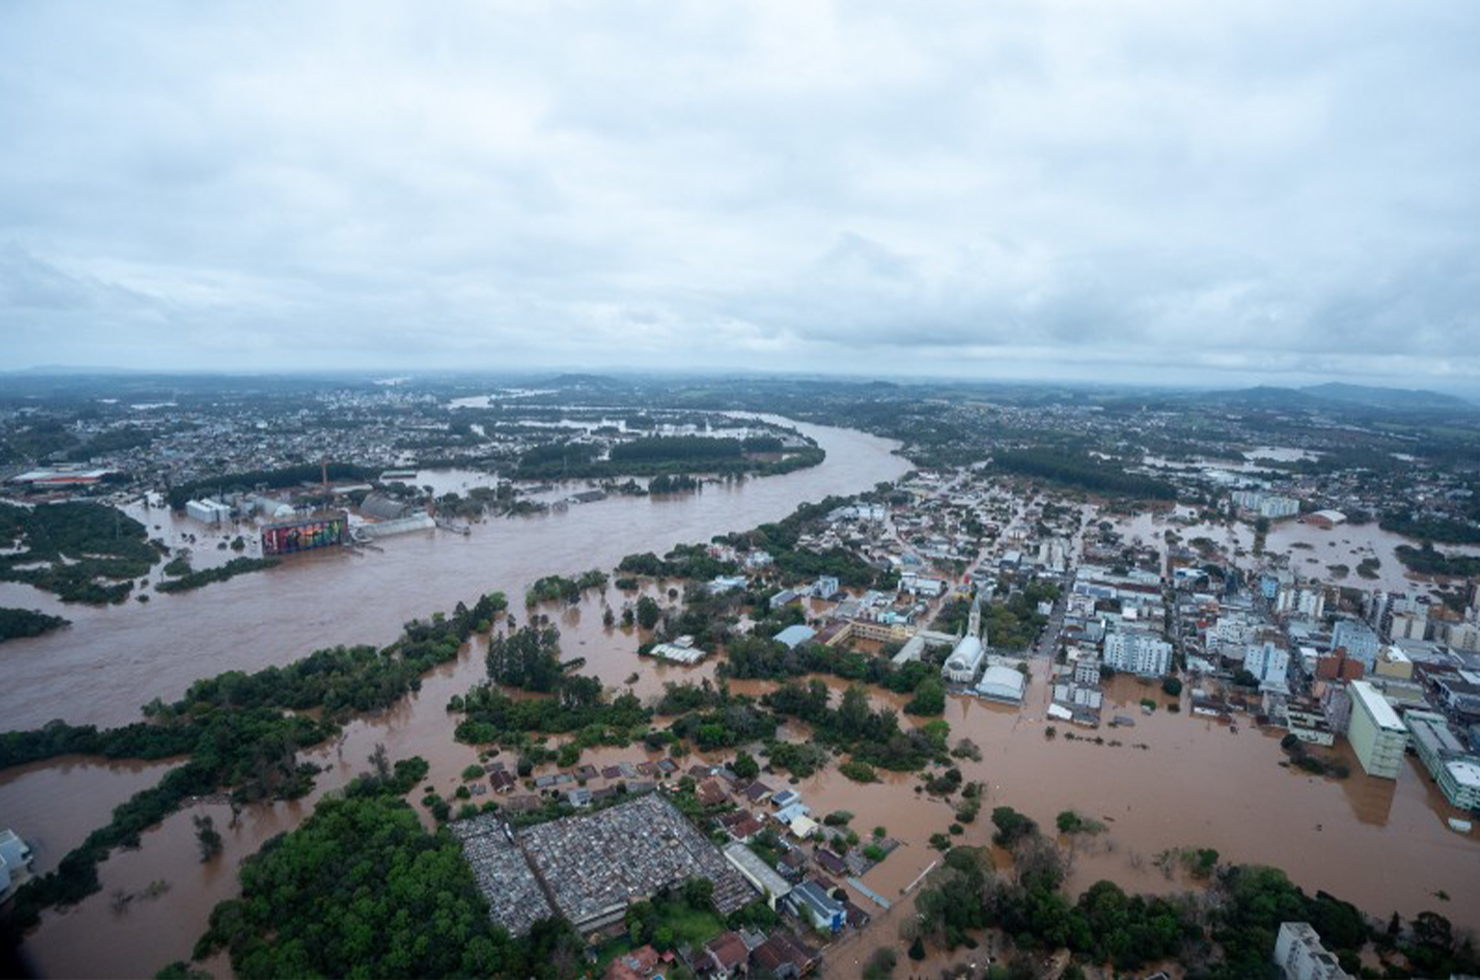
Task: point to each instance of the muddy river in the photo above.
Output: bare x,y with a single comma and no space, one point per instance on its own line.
1380,843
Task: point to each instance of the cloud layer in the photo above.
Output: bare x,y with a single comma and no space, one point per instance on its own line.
1142,190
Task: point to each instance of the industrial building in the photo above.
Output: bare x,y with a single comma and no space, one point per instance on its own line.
681,651
760,874
400,525
1300,956
1001,683
208,511
383,507
1454,768
794,636
1376,732
308,534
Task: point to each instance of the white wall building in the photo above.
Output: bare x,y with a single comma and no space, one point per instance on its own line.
1454,768
1308,600
965,661
1377,734
1268,663
1137,653
1299,953
1002,684
208,511
1268,505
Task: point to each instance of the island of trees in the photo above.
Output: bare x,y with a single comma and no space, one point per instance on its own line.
18,623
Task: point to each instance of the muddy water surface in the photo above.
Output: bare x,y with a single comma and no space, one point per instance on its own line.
1380,843
113,660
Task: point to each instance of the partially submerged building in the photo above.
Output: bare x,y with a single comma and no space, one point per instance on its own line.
1375,731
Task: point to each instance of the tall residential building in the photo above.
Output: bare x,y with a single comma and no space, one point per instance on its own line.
1358,639
1233,629
1336,701
1138,653
1268,663
1299,954
1463,636
1268,505
1377,734
1408,626
1308,600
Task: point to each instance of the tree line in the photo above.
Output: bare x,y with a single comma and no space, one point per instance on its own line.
18,623
1077,469
237,731
273,479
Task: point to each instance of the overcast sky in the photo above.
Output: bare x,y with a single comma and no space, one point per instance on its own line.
1201,192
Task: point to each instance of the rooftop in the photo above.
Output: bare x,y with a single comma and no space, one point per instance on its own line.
1377,707
796,635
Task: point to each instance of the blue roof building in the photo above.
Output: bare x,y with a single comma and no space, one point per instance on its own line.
811,901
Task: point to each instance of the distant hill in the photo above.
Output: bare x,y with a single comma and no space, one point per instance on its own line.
1335,394
1394,398
1265,396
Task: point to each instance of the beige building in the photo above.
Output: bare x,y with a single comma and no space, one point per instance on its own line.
1463,636
1409,626
1393,663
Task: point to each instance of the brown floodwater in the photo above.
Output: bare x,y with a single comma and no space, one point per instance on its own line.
55,804
114,659
1380,843
1312,550
111,661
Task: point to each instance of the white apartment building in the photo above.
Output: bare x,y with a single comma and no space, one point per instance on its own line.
1299,954
1376,732
1268,663
1138,653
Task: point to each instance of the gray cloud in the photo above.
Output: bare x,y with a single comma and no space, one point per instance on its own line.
1065,188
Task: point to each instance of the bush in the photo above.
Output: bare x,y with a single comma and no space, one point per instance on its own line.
880,965
1011,826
